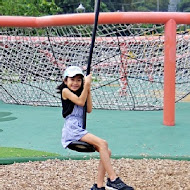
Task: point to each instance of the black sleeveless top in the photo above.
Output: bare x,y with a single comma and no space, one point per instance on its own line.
67,106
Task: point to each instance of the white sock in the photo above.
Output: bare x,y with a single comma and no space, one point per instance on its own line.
114,179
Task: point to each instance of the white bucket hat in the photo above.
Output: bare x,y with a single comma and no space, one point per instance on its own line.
72,71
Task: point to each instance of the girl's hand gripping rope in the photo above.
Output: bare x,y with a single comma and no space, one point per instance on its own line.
87,81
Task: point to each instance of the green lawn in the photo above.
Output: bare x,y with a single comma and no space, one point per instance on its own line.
7,152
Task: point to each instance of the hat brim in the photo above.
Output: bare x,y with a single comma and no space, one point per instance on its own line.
72,71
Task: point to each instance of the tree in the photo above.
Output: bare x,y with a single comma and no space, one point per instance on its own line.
153,5
184,6
33,8
70,6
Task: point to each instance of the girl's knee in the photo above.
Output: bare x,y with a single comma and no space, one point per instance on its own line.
109,151
104,147
105,144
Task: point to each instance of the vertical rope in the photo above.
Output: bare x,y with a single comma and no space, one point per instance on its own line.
90,54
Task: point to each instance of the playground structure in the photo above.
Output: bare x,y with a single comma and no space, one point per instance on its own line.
131,64
134,66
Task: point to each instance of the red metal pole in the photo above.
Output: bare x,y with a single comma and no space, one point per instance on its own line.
169,73
88,18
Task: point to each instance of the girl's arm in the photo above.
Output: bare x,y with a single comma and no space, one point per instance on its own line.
67,94
89,102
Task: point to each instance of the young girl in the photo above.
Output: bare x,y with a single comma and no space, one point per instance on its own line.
75,91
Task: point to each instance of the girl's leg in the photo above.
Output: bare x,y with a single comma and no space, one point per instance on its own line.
105,163
101,173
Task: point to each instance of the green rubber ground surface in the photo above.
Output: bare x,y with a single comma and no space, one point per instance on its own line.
133,134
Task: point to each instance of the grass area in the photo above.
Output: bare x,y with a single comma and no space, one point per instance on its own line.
8,152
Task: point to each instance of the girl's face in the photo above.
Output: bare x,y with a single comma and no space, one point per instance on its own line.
74,83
